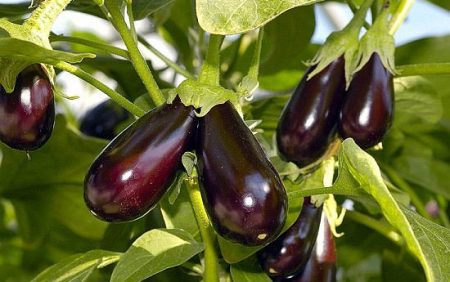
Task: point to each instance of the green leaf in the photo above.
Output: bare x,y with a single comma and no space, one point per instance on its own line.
236,16
143,8
367,174
248,271
416,97
155,251
78,267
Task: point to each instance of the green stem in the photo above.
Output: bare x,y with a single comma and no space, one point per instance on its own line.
354,9
210,73
43,17
136,57
166,60
328,190
254,67
359,17
380,227
119,99
400,15
131,19
402,184
422,69
97,45
211,272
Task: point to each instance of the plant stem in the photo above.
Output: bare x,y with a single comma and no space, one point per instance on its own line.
97,45
354,9
402,184
211,272
400,15
136,57
43,17
422,69
210,73
359,17
328,190
380,227
166,60
119,99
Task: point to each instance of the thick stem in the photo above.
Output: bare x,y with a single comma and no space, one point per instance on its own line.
210,73
254,67
400,15
354,9
382,228
402,184
166,60
42,19
119,99
211,272
136,57
97,45
422,69
359,17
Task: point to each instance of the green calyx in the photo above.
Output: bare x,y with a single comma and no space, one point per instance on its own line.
377,40
202,96
342,43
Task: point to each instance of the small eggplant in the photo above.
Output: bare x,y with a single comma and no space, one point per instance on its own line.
288,254
102,120
368,107
308,123
242,192
132,173
27,115
321,265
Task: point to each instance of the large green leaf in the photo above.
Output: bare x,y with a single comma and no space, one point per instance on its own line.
248,271
78,267
155,251
238,16
428,250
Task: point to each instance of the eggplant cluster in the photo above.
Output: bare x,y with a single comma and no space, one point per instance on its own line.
27,115
305,252
321,107
242,192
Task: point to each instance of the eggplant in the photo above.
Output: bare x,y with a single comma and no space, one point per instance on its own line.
27,115
288,254
368,106
308,122
102,120
321,266
242,192
132,173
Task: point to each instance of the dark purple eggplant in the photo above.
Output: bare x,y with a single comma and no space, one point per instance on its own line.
368,106
308,123
132,173
27,115
242,192
288,254
321,265
102,120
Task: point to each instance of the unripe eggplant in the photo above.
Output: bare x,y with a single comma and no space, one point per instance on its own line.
308,123
368,106
27,115
242,192
102,120
288,254
321,266
132,173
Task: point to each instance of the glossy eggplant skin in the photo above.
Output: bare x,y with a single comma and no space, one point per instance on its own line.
368,107
321,266
308,123
132,173
288,254
102,120
27,115
242,192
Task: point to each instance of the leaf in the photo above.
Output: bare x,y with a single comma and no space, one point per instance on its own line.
366,172
143,8
78,267
415,96
155,251
248,271
239,16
